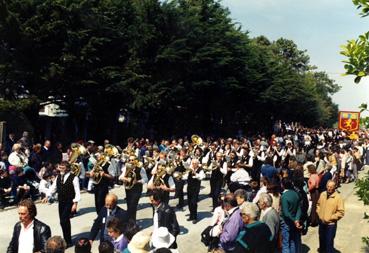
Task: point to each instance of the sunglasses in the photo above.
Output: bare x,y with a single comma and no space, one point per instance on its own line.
243,214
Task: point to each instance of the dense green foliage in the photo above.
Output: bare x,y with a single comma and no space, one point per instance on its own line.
172,66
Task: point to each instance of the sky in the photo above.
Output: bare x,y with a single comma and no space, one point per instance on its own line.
318,26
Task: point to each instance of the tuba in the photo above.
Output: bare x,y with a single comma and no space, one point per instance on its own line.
77,150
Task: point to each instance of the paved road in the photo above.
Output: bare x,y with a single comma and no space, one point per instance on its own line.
350,229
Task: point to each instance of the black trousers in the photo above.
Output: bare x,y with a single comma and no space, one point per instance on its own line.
193,190
65,208
215,189
179,191
133,197
100,193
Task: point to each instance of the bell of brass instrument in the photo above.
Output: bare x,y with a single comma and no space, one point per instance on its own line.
148,161
158,177
77,150
212,166
111,151
95,173
196,139
130,174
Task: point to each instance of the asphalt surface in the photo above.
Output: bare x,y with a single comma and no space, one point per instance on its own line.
348,238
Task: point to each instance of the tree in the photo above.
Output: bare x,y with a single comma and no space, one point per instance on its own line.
173,67
357,64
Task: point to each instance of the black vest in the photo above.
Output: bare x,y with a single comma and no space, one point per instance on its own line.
216,174
138,173
194,181
66,191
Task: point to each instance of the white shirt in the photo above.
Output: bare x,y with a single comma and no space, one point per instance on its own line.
156,219
262,189
25,240
241,176
44,187
77,196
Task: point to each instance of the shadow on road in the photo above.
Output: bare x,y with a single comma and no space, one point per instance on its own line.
305,248
85,210
144,223
203,215
80,235
183,230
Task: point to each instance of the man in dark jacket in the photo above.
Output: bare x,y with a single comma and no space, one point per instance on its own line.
164,215
109,211
31,232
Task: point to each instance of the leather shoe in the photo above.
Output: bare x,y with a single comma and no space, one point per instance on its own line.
189,219
194,221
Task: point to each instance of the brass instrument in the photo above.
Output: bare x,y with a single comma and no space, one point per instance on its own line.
212,166
196,139
77,150
170,167
95,173
148,161
158,177
177,175
130,173
111,151
126,153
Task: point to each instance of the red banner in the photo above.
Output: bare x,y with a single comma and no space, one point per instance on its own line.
348,121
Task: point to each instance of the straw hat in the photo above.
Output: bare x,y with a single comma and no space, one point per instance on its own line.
139,243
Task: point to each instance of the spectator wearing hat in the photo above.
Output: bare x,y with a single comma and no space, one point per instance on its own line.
161,238
139,243
255,235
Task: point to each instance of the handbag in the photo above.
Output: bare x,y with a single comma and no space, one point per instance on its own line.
205,235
